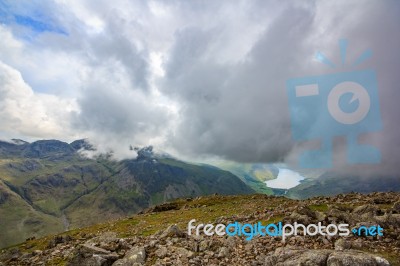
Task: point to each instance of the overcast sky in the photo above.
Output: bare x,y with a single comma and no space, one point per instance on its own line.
194,78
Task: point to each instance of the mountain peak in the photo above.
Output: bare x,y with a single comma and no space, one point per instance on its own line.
145,152
82,144
45,148
19,141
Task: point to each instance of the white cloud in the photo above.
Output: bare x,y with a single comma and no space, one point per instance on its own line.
24,112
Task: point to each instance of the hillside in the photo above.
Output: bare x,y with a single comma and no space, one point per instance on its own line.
158,236
333,184
48,187
254,175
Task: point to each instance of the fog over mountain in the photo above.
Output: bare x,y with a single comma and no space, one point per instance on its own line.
193,78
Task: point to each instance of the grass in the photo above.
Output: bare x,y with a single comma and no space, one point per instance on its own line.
86,193
263,175
26,222
34,208
274,219
204,210
157,198
252,176
320,207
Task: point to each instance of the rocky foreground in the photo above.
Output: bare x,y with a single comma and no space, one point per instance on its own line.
159,236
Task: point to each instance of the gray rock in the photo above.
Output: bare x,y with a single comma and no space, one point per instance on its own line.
37,252
58,240
105,238
353,258
172,231
87,249
161,252
183,252
270,260
396,207
230,241
223,252
365,209
134,257
88,255
342,244
297,256
300,218
204,245
289,256
381,261
123,244
305,210
325,241
320,216
388,220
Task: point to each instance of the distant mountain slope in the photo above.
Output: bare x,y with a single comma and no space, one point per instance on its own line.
332,184
254,175
146,181
18,219
46,186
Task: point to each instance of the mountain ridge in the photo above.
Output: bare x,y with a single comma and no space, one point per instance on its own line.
51,181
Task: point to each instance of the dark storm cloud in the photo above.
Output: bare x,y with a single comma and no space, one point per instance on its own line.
125,114
240,110
115,44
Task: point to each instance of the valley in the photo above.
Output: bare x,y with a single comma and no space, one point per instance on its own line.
47,187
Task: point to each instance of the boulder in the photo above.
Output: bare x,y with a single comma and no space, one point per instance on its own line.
134,257
88,255
183,252
298,256
342,244
366,209
396,207
172,231
292,256
352,258
58,240
161,252
87,249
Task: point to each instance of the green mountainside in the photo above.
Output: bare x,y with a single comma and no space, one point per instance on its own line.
47,187
332,184
254,175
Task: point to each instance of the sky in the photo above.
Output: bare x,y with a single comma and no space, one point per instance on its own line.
198,79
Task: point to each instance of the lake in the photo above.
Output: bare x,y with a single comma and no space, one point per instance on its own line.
286,179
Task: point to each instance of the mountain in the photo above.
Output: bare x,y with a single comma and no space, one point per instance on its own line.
159,235
331,183
47,186
254,175
316,182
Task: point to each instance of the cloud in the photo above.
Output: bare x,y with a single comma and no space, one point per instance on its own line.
115,116
23,112
195,78
239,110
